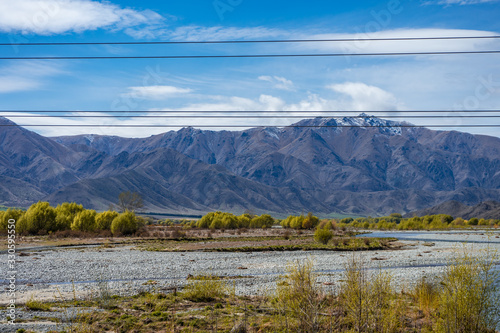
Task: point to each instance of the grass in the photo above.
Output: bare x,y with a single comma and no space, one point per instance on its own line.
34,305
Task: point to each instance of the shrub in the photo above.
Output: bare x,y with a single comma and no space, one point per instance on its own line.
14,214
469,301
263,221
473,221
103,220
66,213
38,217
124,224
323,236
84,221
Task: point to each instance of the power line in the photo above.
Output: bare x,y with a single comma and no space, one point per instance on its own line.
253,111
249,55
252,126
248,116
249,41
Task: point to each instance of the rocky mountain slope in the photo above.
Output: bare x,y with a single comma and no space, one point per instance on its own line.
324,165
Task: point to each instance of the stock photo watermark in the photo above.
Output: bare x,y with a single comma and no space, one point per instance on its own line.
130,101
225,6
487,86
11,273
38,21
382,19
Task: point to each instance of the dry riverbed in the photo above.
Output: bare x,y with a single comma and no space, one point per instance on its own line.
128,267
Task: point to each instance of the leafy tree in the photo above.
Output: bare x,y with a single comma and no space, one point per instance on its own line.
66,213
84,221
473,221
124,224
14,214
310,221
130,201
103,220
263,221
39,217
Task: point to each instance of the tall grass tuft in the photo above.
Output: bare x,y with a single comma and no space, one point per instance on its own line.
299,296
205,288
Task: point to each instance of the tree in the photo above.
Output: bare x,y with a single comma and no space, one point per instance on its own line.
103,220
124,224
66,213
84,221
38,217
130,201
10,214
473,221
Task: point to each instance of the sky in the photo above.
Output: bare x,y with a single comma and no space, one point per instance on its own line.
354,83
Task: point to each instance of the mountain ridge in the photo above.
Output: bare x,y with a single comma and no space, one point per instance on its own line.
313,165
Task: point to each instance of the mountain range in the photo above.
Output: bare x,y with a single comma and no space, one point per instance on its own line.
324,165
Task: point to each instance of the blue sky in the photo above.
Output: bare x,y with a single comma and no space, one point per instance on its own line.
400,83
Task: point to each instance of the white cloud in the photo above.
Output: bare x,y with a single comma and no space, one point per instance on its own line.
278,81
26,77
200,33
366,98
361,45
48,17
156,92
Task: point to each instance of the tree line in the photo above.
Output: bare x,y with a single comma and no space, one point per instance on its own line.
41,218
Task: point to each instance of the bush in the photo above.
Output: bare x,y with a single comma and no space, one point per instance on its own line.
300,222
66,213
124,224
84,221
103,220
469,301
263,221
473,221
39,217
323,236
14,214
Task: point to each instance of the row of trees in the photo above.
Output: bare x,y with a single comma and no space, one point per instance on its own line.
395,221
41,218
219,220
300,222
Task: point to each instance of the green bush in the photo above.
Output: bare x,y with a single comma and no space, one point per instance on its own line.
66,213
39,217
5,216
469,301
84,221
473,221
323,235
124,224
103,220
263,221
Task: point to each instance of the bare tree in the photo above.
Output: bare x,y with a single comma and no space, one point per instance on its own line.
130,201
